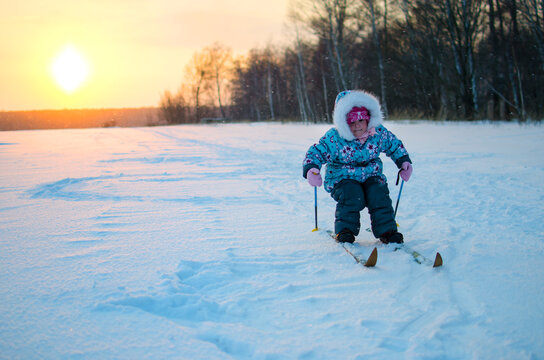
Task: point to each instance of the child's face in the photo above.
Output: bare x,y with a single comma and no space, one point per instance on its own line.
358,127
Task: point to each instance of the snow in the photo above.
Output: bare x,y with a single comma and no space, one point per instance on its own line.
195,242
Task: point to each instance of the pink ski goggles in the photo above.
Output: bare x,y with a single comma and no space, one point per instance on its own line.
358,113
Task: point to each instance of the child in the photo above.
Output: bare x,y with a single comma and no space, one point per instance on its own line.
354,175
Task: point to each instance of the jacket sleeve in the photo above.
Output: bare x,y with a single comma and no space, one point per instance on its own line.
318,154
393,147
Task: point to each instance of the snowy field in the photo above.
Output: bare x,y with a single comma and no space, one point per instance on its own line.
195,242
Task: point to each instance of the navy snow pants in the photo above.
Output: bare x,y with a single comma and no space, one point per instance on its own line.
352,196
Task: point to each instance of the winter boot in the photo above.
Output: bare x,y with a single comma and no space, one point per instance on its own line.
345,236
392,236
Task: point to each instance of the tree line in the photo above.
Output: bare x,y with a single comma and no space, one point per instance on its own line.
431,59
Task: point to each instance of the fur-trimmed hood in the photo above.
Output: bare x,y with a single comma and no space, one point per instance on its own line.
348,99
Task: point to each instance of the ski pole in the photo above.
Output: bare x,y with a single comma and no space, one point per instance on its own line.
398,198
315,208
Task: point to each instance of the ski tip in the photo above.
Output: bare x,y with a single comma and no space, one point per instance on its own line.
372,259
438,260
314,230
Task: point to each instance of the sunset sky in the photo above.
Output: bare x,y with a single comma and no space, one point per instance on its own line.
125,52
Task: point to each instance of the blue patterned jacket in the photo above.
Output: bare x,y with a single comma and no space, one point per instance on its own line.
349,159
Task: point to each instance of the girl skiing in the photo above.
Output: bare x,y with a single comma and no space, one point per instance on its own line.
354,175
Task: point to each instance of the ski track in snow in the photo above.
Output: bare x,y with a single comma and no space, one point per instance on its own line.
195,242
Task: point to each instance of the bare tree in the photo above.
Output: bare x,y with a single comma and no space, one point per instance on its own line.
258,86
270,88
533,13
173,108
414,48
301,83
336,16
219,60
463,22
371,7
197,75
328,19
300,70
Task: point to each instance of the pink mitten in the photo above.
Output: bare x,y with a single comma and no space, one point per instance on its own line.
406,171
314,177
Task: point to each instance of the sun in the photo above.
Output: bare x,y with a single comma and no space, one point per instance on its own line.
69,69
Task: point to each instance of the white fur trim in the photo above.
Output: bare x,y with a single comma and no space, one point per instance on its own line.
350,100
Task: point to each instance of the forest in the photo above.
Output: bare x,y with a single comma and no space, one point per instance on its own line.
424,59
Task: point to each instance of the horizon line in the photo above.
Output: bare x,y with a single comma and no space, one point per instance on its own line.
84,109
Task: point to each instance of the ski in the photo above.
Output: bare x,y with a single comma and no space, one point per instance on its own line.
419,258
368,262
416,256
